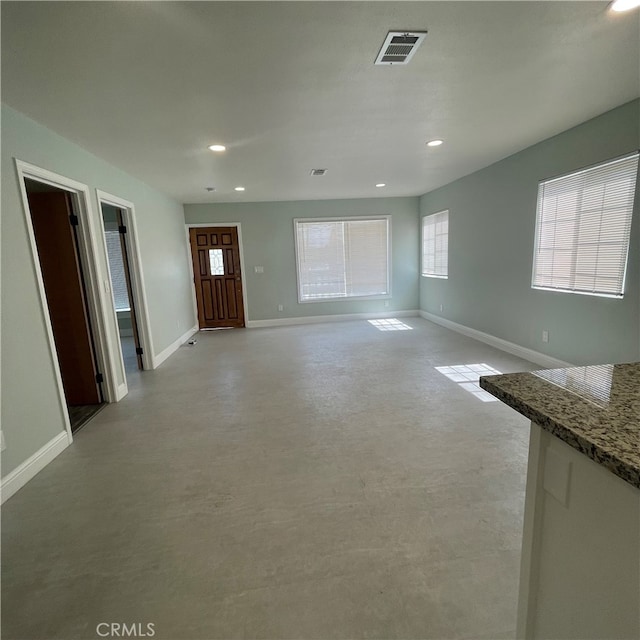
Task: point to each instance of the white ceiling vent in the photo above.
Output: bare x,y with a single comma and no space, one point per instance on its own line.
399,47
318,172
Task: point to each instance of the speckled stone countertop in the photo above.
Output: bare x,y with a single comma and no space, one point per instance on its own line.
594,409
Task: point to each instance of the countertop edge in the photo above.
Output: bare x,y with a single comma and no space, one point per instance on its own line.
592,450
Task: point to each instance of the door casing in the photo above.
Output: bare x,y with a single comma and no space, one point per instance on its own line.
137,278
97,302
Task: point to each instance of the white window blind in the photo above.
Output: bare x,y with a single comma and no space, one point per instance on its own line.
116,268
583,224
342,258
435,245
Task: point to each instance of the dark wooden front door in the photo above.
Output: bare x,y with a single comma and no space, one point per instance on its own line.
64,288
216,269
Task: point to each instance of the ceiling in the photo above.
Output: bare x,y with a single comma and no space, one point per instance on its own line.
291,86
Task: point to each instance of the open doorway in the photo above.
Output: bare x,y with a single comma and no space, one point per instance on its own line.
54,218
127,282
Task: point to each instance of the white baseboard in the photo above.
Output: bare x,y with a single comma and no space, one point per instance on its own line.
15,480
158,359
282,322
514,349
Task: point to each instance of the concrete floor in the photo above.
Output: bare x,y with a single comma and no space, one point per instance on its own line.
319,481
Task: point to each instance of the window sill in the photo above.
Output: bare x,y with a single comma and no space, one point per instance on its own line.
386,296
613,296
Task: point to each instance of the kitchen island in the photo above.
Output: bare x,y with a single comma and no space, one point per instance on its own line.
580,567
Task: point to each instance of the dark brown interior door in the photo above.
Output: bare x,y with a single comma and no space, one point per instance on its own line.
216,268
57,252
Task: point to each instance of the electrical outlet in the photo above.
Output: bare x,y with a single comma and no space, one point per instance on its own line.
386,303
3,444
545,336
258,269
280,307
441,308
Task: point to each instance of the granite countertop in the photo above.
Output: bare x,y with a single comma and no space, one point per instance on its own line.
594,409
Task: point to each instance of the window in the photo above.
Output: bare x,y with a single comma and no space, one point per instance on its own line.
583,224
116,268
435,245
346,258
216,262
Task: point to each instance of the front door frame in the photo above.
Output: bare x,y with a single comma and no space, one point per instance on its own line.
96,302
135,268
238,226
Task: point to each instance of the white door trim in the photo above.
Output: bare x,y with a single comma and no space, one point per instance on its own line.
96,299
135,269
238,226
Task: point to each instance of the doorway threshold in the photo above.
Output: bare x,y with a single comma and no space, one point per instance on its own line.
79,415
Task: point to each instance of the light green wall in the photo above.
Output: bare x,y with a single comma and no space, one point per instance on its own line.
268,241
492,216
31,415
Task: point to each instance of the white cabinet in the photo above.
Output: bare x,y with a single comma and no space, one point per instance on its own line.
580,571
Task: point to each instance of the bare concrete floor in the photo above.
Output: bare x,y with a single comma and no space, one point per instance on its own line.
320,481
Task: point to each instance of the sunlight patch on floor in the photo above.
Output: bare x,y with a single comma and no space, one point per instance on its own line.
390,324
467,376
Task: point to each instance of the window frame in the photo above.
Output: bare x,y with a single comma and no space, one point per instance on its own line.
422,268
537,235
384,296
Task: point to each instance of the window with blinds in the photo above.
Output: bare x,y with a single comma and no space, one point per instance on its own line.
116,268
347,258
435,245
583,225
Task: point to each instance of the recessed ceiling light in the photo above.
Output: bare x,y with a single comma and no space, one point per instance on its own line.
624,5
434,143
218,147
381,184
239,188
